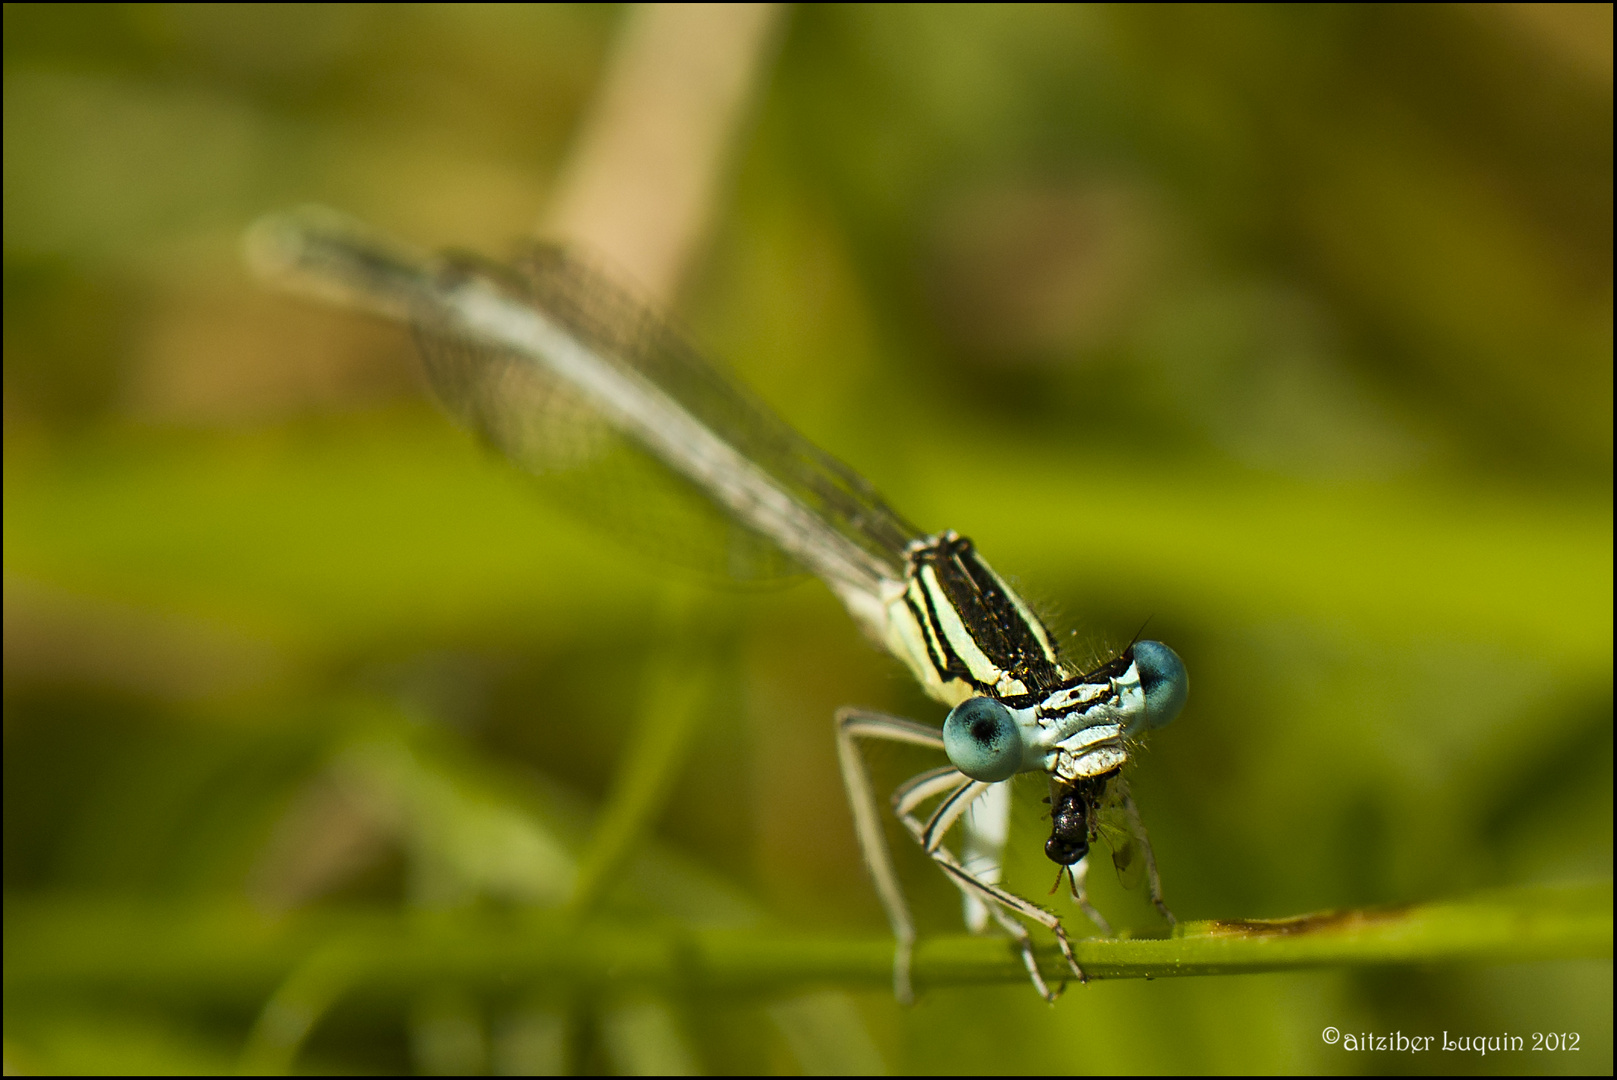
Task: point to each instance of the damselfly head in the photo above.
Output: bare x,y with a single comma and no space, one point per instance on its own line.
1163,680
982,740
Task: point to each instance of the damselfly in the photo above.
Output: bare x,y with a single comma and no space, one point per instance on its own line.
510,349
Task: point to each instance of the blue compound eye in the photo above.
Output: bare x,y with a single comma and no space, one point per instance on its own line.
1163,678
981,740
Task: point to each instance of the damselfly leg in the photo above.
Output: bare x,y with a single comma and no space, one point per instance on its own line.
1153,881
985,829
1117,822
957,793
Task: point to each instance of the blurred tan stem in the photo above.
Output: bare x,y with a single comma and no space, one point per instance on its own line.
639,189
640,183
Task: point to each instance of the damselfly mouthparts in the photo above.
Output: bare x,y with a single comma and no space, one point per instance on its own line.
510,349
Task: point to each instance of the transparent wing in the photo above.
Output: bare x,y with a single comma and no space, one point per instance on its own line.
1111,826
603,313
549,356
581,462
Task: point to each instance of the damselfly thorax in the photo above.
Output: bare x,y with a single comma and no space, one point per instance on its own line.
511,350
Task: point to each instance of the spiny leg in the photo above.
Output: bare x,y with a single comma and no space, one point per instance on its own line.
999,902
1153,882
853,725
929,835
984,830
959,793
927,785
1018,932
948,811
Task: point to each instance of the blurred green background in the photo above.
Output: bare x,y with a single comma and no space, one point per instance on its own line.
1289,328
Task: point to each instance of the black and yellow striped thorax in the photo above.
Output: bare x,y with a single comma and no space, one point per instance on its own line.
965,632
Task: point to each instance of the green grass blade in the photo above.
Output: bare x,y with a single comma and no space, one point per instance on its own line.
235,952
